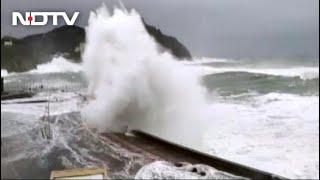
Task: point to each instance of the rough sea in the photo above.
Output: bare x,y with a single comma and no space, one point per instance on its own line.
266,115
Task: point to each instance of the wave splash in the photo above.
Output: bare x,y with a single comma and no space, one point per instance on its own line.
4,73
57,65
132,84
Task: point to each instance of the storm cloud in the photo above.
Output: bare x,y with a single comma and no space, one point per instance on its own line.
214,28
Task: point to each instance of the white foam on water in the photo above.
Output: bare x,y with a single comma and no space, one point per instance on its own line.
304,73
57,65
20,122
275,132
4,73
59,103
202,60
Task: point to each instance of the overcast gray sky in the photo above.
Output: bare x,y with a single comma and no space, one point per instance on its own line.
213,28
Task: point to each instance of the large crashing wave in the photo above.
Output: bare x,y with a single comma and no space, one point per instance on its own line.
131,83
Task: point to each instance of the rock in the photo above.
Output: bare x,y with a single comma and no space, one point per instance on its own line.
169,43
26,53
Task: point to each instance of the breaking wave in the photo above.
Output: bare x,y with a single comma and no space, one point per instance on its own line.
304,73
232,83
57,65
131,83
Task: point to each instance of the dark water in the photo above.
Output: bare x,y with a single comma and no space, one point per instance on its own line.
232,83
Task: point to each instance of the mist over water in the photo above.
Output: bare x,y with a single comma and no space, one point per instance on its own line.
132,84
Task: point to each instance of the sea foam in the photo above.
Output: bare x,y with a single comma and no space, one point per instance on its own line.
57,65
304,73
4,73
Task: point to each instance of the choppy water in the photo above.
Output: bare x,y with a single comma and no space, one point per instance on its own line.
268,117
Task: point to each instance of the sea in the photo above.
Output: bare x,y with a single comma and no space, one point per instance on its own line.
269,117
263,113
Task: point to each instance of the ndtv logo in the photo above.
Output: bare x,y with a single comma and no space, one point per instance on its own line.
41,18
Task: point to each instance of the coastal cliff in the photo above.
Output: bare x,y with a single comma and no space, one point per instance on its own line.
23,54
